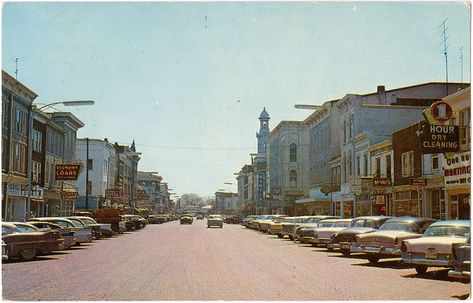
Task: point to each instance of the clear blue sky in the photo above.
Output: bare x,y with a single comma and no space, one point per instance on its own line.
170,75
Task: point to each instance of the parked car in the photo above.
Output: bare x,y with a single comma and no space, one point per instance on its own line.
461,260
83,234
134,222
265,223
66,234
4,251
386,241
322,235
277,226
435,247
186,219
248,220
26,244
215,220
308,225
200,217
307,233
104,229
344,239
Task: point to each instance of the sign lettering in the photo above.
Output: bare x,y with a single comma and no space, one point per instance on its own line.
67,171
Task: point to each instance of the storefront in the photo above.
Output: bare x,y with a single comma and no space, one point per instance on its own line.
457,177
435,206
406,201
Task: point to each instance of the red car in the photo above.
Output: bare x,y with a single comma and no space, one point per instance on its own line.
26,244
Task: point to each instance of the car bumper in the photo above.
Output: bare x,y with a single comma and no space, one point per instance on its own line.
426,262
459,274
375,250
305,239
84,239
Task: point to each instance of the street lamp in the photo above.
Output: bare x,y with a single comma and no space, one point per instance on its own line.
33,108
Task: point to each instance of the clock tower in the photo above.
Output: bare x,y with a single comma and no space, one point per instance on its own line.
263,133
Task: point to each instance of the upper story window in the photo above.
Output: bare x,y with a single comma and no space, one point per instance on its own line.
407,164
90,164
358,165
377,167
388,166
37,139
365,164
435,162
19,125
464,124
293,153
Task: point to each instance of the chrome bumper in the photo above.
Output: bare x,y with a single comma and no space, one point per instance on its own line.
428,262
333,245
459,274
375,250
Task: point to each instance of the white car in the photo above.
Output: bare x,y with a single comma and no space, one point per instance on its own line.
215,220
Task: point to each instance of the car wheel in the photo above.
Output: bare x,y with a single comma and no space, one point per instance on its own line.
280,236
421,269
329,249
345,252
221,226
373,259
28,254
291,238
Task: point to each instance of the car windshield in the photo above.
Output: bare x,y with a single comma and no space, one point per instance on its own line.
400,226
77,222
452,231
88,221
342,224
215,217
288,220
363,223
25,228
312,220
326,224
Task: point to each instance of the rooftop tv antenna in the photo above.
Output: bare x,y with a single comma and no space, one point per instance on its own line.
16,69
444,28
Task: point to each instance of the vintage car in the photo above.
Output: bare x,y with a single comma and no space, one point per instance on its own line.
215,220
101,229
256,221
186,219
461,260
307,233
4,251
248,220
323,233
264,224
305,228
156,219
435,247
345,238
134,222
200,217
83,234
277,226
386,241
26,244
95,228
66,234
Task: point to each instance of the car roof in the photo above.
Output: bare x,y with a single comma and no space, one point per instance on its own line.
51,218
410,219
465,223
372,218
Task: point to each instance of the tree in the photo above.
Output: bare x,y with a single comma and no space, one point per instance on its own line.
191,200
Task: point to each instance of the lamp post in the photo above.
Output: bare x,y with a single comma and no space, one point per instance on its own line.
32,109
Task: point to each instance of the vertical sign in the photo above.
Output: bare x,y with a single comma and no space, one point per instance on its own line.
259,188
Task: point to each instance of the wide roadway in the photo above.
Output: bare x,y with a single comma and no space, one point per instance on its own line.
192,262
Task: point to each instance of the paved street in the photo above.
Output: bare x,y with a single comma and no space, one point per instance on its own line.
192,262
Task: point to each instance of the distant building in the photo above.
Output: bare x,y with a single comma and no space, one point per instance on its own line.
150,183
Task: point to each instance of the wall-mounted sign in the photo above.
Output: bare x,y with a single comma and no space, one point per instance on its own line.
381,182
419,181
438,138
69,195
67,171
378,192
115,192
438,113
457,171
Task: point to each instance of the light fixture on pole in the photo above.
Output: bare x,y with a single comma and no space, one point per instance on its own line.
32,110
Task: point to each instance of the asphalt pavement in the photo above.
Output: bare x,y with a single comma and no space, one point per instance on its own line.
192,262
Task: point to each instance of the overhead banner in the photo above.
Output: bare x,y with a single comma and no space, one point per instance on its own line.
67,171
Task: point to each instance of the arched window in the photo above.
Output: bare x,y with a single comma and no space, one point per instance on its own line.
293,179
293,152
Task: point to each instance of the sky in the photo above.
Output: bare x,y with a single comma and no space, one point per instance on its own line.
187,81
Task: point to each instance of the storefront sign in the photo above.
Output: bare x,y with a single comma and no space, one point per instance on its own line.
457,171
259,188
113,193
16,190
67,171
378,192
438,138
69,195
419,182
381,182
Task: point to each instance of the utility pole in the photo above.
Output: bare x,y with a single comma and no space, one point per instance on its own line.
445,47
461,63
87,174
